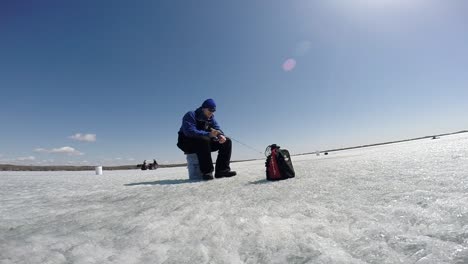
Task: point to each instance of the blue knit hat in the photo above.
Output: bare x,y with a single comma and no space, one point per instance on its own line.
209,103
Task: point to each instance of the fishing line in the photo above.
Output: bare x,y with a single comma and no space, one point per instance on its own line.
245,145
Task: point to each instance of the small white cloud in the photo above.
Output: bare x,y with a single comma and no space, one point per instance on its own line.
62,150
84,137
130,159
41,150
66,150
28,158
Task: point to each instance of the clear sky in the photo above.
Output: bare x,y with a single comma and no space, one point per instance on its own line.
107,82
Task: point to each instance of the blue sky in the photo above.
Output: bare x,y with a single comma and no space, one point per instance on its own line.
121,74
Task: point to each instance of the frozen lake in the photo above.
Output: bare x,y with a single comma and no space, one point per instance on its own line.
400,203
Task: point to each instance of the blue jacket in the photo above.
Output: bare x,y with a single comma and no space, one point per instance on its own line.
195,123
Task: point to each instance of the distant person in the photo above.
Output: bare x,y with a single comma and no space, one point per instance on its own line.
144,166
155,164
201,134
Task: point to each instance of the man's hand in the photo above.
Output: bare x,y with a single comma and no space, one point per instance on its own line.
214,133
222,139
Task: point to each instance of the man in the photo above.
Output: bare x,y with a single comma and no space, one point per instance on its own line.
201,134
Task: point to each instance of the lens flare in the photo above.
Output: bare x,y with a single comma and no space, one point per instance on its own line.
289,65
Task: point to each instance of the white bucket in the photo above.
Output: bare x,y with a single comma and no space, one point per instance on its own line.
193,167
99,170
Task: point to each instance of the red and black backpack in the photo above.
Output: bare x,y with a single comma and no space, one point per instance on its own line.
278,164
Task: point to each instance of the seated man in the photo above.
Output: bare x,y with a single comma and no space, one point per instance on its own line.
144,166
201,134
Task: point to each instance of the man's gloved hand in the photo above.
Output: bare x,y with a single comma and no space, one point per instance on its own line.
214,133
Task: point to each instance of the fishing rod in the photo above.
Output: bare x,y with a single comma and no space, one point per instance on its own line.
245,145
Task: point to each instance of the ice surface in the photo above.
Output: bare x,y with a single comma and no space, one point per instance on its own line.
400,203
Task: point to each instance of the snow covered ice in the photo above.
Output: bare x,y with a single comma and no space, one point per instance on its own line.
399,203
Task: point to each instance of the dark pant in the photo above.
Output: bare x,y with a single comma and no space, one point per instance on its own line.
203,146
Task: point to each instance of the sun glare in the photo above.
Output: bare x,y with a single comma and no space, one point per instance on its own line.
377,7
385,3
384,15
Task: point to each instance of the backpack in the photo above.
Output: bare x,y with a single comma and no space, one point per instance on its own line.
278,164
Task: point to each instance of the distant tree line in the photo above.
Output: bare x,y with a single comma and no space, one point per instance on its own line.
10,167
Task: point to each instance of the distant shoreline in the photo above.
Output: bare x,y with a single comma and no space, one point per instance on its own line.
10,167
